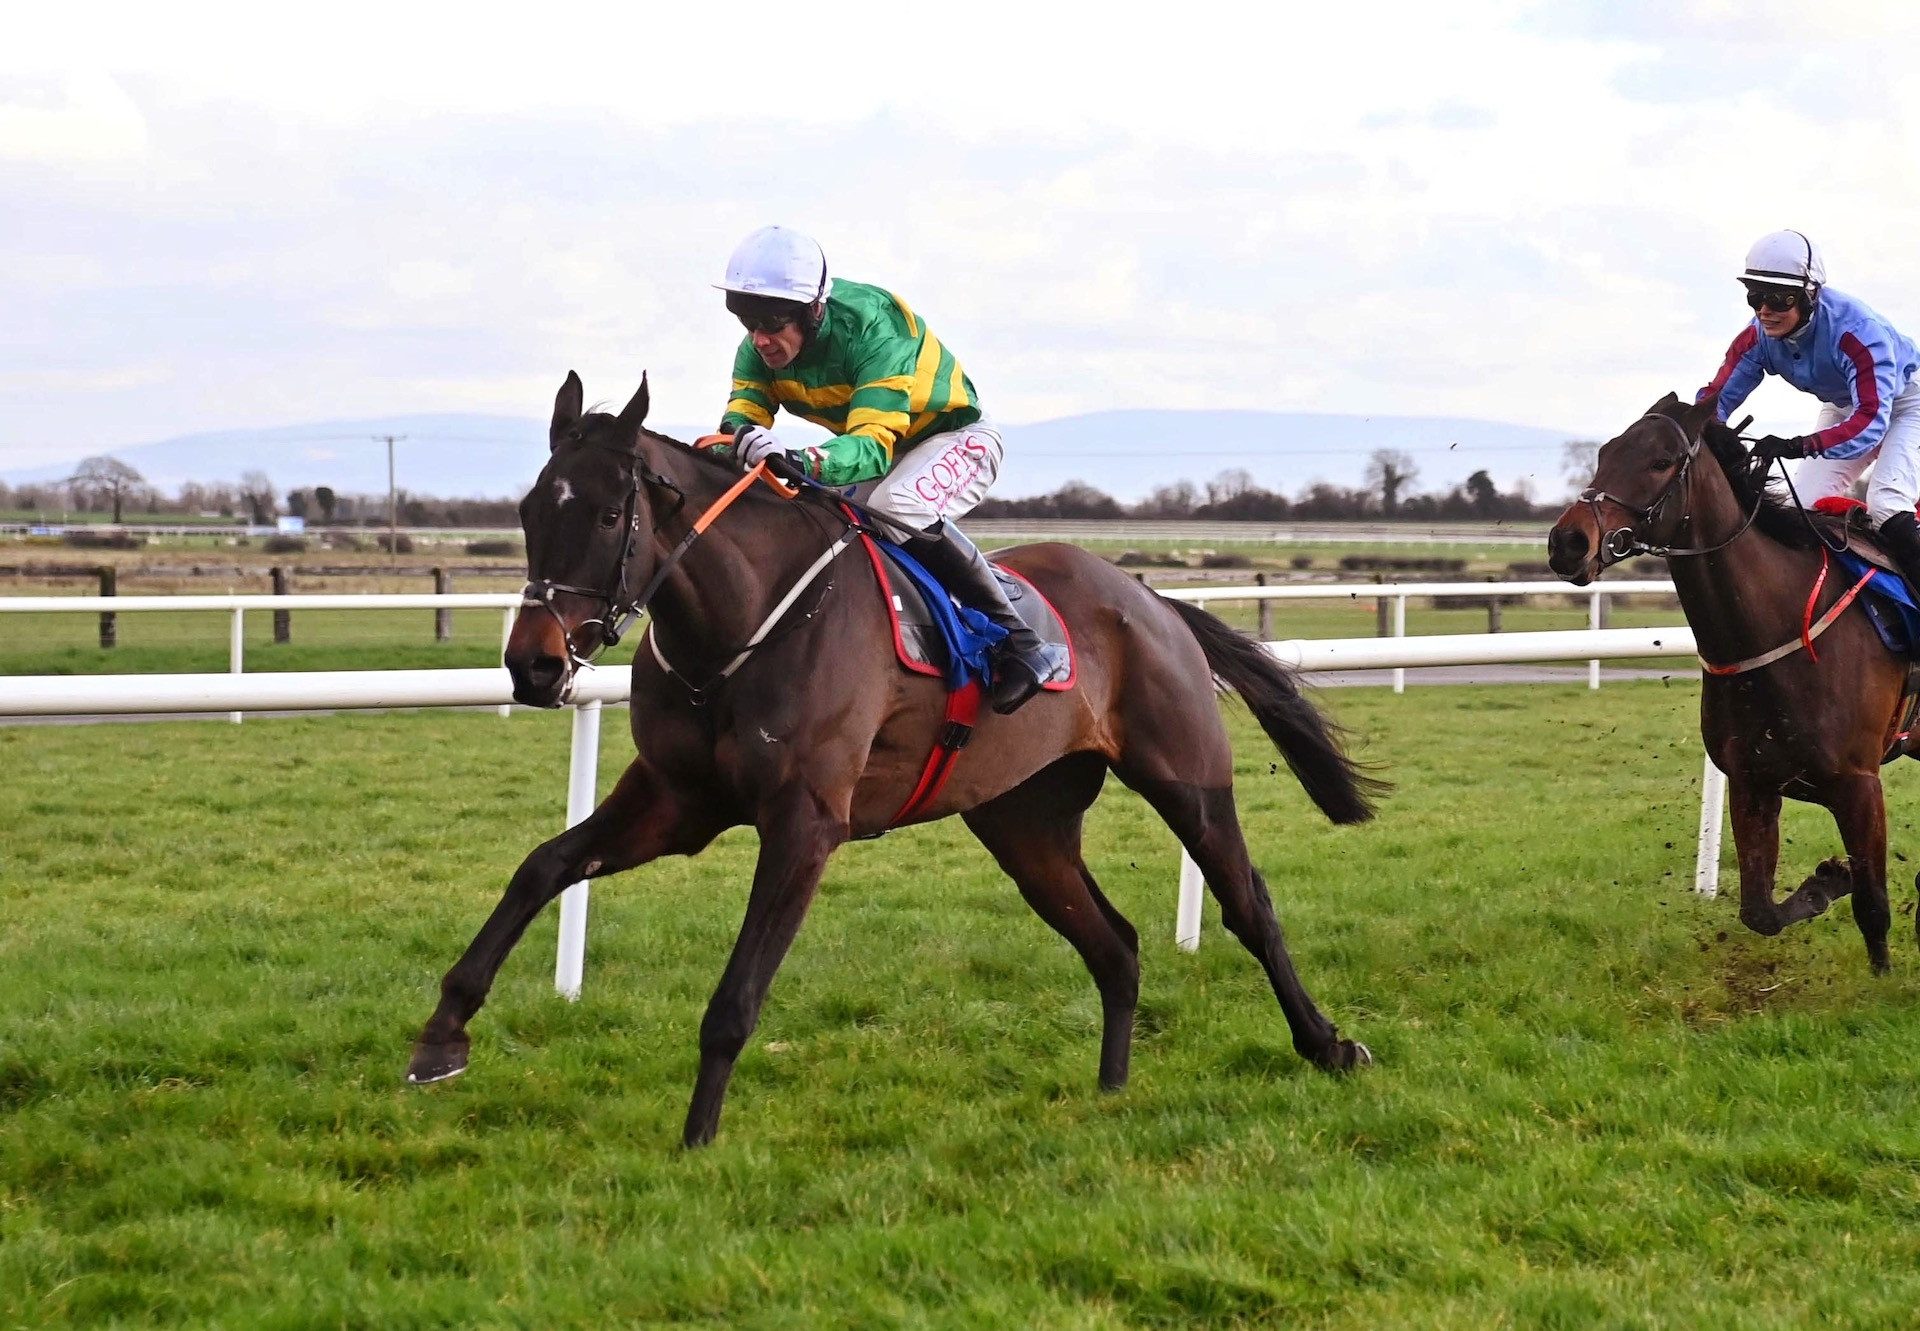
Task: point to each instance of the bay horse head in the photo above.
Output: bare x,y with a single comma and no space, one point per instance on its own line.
1637,501
588,521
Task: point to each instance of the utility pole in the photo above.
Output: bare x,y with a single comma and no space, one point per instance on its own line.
393,508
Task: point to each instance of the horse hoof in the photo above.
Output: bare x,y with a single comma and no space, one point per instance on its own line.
1346,1056
437,1062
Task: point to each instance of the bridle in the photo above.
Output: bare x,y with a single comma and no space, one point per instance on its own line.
1619,542
619,607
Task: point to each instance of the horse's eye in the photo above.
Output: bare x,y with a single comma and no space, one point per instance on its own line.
1664,464
610,517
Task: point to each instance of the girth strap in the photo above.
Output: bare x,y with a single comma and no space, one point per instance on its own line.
956,728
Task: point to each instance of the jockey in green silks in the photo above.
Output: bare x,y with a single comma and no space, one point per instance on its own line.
910,444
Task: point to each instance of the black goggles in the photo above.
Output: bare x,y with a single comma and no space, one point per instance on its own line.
765,323
1773,298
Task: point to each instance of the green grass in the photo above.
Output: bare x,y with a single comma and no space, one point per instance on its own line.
1598,1101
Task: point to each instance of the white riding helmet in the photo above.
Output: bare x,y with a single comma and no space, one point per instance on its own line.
1785,259
779,262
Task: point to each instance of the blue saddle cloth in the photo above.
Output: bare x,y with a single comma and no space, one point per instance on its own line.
970,636
1889,604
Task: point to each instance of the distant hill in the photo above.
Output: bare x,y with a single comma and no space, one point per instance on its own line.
1124,453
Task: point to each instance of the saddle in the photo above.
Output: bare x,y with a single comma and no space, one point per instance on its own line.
1891,606
1863,543
923,637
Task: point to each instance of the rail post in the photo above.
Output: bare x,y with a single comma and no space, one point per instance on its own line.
1266,610
109,622
1713,798
1596,618
443,616
282,619
1186,915
506,632
569,967
237,652
1400,631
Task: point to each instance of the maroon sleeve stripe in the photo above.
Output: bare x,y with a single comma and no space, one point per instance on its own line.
1866,397
1741,346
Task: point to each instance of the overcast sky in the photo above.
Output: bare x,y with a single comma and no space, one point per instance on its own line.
223,216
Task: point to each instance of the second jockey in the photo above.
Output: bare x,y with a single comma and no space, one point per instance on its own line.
1860,367
910,444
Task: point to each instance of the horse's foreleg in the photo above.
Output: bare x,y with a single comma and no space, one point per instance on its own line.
638,821
1755,811
797,835
1859,808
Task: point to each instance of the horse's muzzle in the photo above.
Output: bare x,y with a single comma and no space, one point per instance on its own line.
540,681
1573,548
536,659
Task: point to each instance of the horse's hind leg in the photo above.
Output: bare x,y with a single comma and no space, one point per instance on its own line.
638,821
1208,826
1033,832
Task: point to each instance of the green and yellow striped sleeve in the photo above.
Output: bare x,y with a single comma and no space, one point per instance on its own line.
878,416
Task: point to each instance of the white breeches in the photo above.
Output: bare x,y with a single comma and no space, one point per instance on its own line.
943,476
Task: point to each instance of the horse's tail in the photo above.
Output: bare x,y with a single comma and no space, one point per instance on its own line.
1307,740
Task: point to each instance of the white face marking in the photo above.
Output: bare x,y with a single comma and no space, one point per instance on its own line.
562,491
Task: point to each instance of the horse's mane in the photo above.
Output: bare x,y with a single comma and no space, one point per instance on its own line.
1778,517
704,456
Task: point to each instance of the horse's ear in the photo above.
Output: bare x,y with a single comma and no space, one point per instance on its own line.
566,409
634,414
1695,418
1661,407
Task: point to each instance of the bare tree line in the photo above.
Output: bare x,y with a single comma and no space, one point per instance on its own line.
1235,495
107,485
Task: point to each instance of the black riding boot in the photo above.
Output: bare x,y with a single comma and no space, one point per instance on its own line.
1900,534
1022,662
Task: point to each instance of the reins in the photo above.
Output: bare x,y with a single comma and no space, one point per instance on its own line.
621,610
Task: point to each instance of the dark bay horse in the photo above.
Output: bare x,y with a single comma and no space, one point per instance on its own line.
817,737
1807,724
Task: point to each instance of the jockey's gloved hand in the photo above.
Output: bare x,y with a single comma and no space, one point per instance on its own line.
755,444
1779,446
